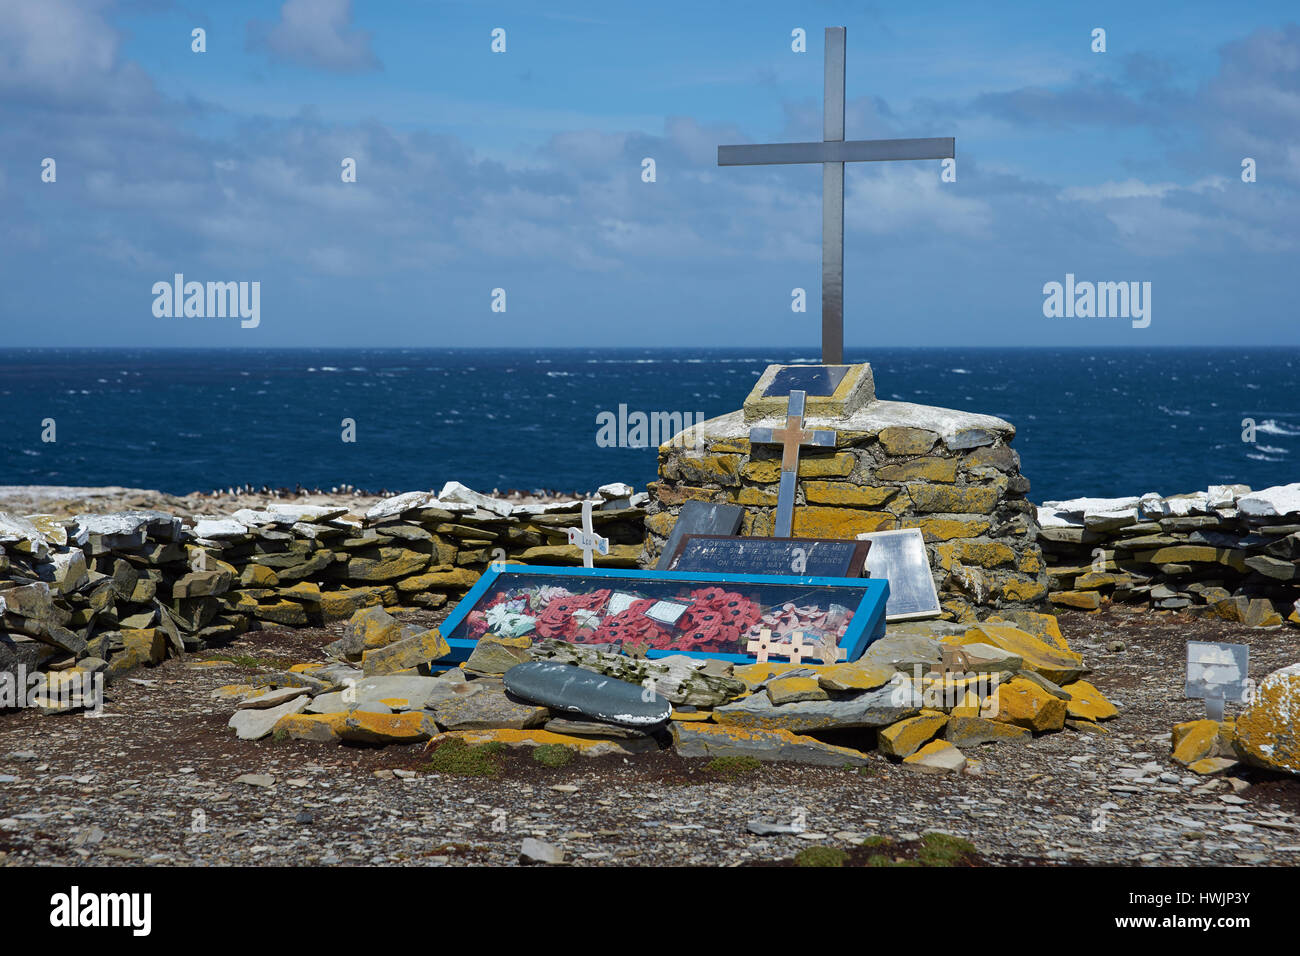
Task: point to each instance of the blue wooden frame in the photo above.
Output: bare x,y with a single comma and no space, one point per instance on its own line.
867,626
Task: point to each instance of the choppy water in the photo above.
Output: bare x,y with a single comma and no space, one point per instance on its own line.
1105,422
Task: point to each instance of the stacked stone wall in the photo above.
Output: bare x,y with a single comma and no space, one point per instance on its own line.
126,588
962,488
1228,553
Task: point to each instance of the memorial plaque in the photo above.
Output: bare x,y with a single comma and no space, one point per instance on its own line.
809,379
900,557
1217,672
700,517
671,612
818,557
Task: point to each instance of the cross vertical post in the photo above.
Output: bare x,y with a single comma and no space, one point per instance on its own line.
833,204
790,438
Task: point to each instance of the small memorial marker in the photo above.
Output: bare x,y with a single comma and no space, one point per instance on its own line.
818,557
829,652
760,646
900,557
797,649
586,538
790,439
700,517
1217,672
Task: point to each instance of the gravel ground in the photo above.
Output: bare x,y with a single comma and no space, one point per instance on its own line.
154,781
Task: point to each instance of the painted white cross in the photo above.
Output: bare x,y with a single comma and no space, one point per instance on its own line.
586,538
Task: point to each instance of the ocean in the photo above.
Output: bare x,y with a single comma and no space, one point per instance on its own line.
1090,422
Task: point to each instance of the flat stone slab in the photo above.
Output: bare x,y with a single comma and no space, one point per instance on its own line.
488,709
255,724
694,739
875,708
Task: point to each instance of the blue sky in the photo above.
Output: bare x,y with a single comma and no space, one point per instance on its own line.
522,170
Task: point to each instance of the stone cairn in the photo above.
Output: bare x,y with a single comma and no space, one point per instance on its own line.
1229,552
114,591
895,465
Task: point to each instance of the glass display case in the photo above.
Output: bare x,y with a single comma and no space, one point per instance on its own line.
665,612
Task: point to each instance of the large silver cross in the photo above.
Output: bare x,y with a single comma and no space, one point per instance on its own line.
790,438
833,152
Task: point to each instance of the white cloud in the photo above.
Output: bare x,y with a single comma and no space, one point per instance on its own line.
316,33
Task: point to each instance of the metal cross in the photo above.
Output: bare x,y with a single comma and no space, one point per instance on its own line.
833,152
790,438
587,539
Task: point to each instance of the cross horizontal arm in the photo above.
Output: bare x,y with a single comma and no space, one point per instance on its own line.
853,151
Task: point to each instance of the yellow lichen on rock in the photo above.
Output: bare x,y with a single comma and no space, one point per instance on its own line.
908,736
854,675
1195,740
1267,732
1026,704
1087,702
1058,666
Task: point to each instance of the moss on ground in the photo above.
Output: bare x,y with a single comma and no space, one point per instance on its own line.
942,849
820,856
733,767
552,755
457,758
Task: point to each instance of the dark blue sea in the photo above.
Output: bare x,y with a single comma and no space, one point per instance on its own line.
1091,422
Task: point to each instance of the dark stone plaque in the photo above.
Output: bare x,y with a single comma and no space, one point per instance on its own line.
700,517
805,557
810,379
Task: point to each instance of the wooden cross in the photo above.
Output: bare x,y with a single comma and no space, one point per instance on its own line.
760,645
797,649
790,439
832,153
829,650
586,538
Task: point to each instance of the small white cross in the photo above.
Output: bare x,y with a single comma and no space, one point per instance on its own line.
587,539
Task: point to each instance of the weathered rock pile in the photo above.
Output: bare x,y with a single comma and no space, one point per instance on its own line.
125,587
895,465
1228,552
925,695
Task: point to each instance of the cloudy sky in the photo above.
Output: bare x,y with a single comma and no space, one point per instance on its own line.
522,170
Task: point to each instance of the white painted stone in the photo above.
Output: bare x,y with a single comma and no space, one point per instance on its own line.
396,505
874,416
454,491
1225,496
615,489
1052,518
252,518
1152,505
1086,506
256,724
1271,502
292,514
1180,506
14,529
217,528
